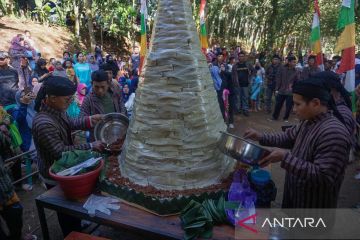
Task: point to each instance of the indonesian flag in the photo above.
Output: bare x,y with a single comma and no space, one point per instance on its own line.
315,37
346,43
203,34
143,49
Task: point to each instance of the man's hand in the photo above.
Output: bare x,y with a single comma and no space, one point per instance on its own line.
253,134
98,146
96,118
277,155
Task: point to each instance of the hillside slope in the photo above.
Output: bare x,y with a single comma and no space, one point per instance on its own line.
50,40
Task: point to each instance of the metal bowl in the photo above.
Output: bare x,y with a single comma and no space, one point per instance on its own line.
113,127
241,149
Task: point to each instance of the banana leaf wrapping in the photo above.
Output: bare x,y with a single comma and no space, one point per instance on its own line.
157,205
72,158
197,220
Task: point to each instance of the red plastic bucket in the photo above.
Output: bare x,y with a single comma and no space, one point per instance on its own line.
79,186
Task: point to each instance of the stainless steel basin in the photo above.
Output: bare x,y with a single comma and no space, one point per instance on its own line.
241,149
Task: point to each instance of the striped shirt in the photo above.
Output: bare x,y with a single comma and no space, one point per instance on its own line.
346,113
52,136
316,164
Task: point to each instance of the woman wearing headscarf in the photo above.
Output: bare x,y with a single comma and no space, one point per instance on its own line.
319,148
114,67
128,96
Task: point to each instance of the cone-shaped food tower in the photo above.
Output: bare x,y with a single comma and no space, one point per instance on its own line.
172,137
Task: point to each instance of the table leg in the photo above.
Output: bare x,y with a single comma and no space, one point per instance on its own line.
42,218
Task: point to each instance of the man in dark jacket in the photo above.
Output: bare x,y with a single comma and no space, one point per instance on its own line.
311,69
241,75
285,79
105,97
271,72
9,80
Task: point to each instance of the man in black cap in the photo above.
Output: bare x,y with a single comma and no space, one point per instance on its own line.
271,72
319,148
52,129
9,80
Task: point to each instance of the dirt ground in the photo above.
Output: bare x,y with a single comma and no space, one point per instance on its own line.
349,196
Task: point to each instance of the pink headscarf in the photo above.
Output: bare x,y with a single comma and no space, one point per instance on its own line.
81,96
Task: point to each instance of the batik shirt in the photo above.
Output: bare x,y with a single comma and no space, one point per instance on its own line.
316,164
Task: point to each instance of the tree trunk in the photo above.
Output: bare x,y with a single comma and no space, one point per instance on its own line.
88,7
77,21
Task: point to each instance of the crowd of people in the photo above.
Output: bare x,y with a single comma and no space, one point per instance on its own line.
39,101
251,82
42,102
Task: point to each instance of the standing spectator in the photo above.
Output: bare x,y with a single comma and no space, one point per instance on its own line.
311,69
112,63
225,54
121,63
70,72
125,78
328,65
83,70
256,86
52,62
17,49
135,58
241,76
104,97
218,82
128,97
271,72
231,63
74,109
210,55
134,80
66,56
23,115
9,80
24,73
41,72
285,79
228,84
29,40
59,70
98,55
94,66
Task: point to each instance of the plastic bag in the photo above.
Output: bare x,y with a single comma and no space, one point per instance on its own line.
102,204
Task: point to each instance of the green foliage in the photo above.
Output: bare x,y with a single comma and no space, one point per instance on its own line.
259,24
116,17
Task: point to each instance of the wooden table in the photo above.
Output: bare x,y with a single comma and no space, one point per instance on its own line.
126,218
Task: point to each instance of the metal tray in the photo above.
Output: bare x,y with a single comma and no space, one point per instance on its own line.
113,127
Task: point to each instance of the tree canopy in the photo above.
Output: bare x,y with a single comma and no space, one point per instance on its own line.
254,24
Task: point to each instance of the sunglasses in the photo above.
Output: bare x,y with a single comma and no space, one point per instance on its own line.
2,59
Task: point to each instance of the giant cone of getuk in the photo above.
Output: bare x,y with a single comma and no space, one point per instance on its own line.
171,143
